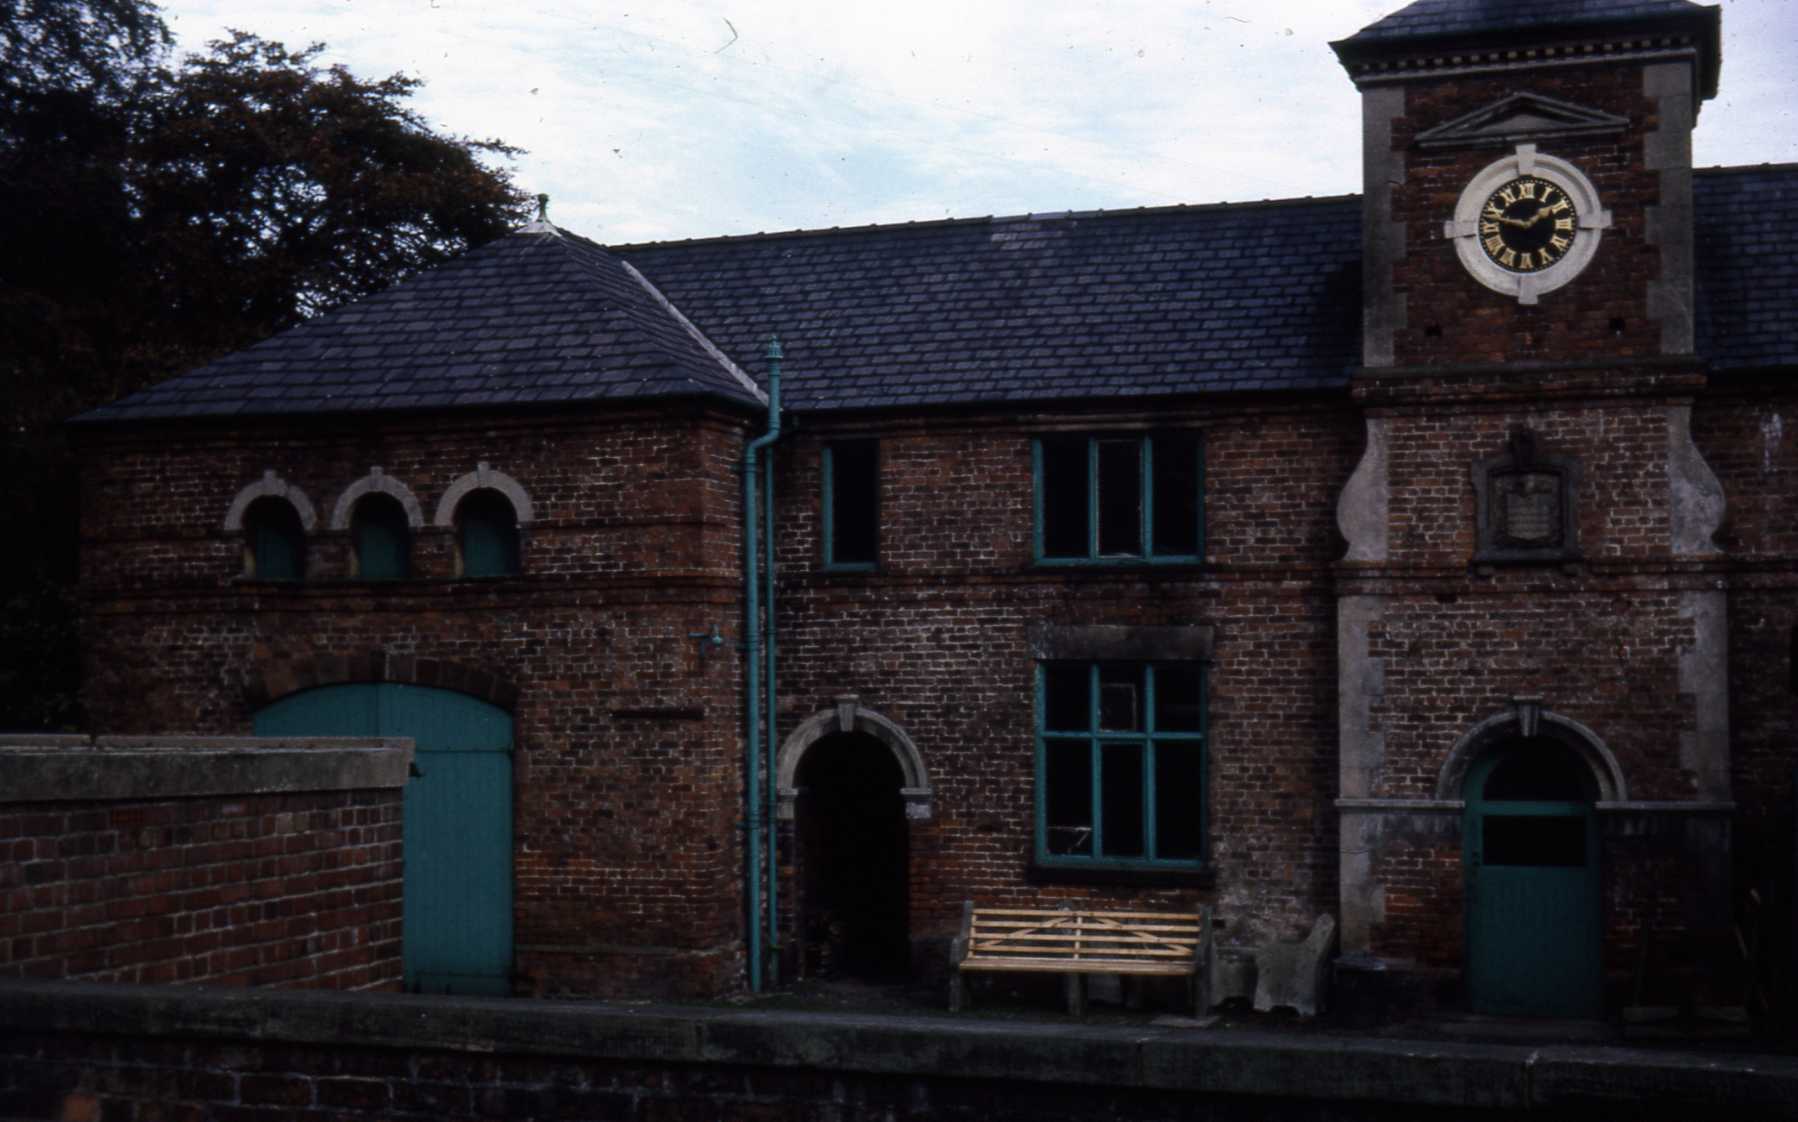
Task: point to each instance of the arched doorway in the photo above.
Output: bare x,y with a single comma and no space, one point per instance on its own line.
1534,912
457,891
852,862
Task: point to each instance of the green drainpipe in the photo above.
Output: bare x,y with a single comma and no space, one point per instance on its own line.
753,634
771,715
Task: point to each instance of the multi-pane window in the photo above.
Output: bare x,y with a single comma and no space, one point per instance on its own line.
851,504
1120,764
1119,498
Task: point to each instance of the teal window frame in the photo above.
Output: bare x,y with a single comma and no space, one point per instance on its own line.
1146,552
487,543
831,490
1148,738
382,538
276,539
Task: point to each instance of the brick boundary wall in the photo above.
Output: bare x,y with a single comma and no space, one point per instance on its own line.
84,1051
185,859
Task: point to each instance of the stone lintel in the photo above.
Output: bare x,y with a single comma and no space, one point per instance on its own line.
136,769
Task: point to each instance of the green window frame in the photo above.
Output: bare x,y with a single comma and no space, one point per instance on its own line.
382,538
487,534
851,505
275,541
1119,498
1121,765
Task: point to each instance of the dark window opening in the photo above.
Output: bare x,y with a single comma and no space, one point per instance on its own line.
382,539
1534,840
853,860
1120,498
487,535
852,503
1540,771
1107,499
1063,496
1121,782
274,540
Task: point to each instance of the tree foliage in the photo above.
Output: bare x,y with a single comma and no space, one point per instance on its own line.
157,213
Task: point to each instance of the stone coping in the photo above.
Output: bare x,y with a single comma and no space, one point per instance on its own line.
49,769
1309,1065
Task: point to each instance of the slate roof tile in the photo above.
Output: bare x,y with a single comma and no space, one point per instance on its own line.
1259,297
1436,18
515,308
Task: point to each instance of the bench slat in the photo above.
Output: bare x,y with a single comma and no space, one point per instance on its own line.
1063,913
1075,966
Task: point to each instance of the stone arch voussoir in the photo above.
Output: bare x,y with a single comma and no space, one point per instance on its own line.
377,481
484,477
1527,718
271,486
850,716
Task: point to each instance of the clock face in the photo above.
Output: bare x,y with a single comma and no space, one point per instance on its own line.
1527,225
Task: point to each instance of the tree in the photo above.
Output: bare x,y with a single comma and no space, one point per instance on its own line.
157,216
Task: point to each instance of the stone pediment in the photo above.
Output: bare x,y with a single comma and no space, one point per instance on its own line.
1518,118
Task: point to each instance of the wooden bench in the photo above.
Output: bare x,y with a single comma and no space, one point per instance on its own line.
1081,941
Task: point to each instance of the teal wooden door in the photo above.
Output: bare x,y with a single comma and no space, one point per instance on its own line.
1533,906
458,821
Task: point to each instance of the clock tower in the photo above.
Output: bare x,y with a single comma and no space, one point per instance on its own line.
1532,620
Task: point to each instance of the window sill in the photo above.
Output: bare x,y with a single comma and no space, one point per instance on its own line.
1196,876
1117,562
862,568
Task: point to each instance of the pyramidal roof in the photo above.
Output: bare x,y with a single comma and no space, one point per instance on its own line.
539,316
1432,19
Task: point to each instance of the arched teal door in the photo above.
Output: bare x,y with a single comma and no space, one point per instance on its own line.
1533,905
458,821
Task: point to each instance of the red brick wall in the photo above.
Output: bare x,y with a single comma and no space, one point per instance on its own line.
1452,318
627,763
286,889
938,641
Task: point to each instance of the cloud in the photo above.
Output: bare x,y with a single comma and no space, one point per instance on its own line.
660,120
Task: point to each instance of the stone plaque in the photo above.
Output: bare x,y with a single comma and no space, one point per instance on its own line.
1525,503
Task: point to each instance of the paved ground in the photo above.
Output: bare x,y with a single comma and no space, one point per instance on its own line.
1042,1002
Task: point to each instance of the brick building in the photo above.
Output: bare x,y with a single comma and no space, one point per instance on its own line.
1421,558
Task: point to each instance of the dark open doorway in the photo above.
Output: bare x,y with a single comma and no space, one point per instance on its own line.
852,860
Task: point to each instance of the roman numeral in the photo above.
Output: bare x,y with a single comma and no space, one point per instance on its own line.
1507,195
1488,227
1527,261
1508,259
1495,246
1526,189
1560,243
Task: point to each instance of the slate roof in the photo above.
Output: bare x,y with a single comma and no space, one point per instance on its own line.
1261,296
534,317
1746,238
1431,19
1094,306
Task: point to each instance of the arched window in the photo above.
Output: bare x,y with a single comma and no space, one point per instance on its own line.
274,541
382,537
487,535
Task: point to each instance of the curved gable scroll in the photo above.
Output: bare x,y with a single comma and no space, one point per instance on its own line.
271,486
376,481
850,716
483,477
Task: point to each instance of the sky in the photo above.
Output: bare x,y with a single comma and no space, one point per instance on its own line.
662,119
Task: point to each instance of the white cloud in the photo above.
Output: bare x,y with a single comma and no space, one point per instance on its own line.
658,120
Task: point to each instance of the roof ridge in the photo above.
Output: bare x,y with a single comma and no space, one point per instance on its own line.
649,330
699,336
941,223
